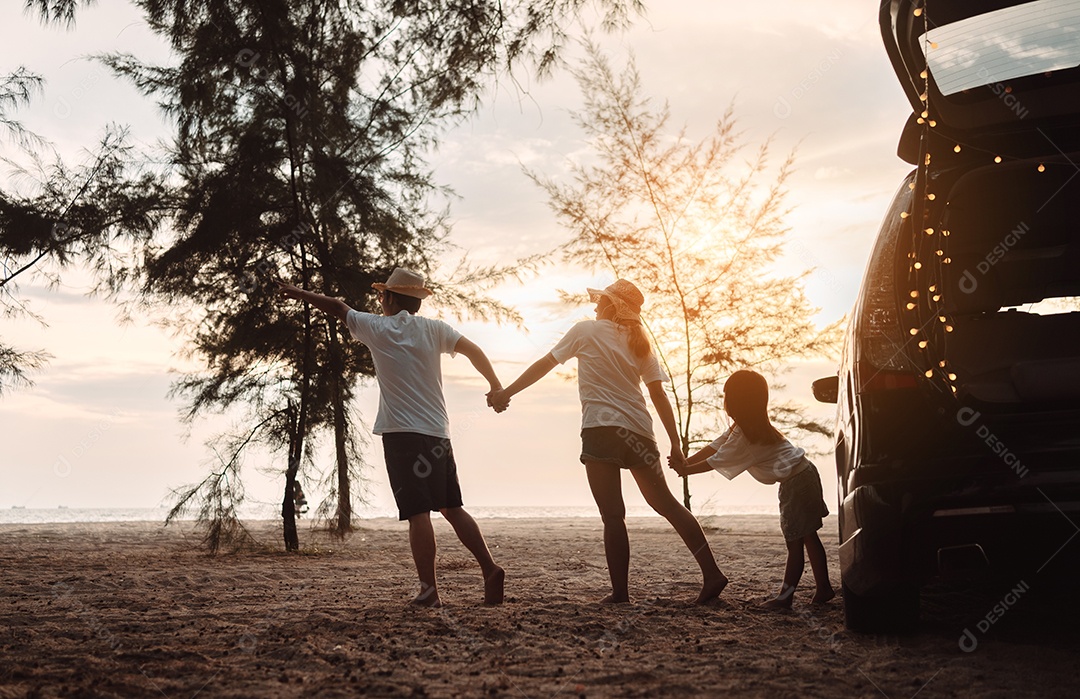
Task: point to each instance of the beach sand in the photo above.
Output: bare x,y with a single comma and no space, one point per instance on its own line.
135,609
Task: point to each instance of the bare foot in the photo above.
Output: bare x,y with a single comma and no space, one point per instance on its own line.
428,597
777,603
613,599
823,596
712,589
493,587
782,600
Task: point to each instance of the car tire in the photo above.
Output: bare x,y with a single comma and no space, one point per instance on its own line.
894,610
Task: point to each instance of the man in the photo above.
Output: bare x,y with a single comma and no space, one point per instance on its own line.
412,418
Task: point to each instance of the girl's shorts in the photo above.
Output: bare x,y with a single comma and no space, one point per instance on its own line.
802,505
618,446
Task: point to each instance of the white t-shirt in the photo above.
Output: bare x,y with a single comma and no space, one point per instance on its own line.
767,463
406,350
609,375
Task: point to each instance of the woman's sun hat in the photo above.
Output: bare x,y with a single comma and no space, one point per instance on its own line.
405,282
624,296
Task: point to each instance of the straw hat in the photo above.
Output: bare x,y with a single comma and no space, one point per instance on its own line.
626,298
405,282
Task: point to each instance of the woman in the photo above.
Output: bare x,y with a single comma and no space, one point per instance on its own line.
614,358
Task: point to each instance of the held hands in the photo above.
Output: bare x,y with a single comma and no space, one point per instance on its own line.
497,400
677,462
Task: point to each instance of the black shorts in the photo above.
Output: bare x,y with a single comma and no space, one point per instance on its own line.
618,446
422,472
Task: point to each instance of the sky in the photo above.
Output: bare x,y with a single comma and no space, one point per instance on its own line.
98,428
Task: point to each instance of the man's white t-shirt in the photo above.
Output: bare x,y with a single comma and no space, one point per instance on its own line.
767,463
407,351
609,375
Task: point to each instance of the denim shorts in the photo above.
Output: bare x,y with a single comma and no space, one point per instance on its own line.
423,474
618,446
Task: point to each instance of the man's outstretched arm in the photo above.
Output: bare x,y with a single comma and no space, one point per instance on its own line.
479,360
330,306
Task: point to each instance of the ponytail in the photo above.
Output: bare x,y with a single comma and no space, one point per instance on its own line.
638,339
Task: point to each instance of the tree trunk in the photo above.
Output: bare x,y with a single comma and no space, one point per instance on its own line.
288,503
343,517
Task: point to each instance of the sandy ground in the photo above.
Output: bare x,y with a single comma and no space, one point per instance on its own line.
135,609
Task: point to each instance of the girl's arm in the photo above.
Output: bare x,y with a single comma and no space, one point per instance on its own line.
499,399
697,462
662,404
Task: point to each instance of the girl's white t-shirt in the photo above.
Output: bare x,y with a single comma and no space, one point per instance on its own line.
609,375
406,350
767,463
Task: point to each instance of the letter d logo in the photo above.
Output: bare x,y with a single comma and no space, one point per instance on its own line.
968,282
966,416
968,642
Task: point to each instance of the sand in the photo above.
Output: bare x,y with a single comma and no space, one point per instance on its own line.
135,609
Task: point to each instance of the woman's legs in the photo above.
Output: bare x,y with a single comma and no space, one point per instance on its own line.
605,482
656,492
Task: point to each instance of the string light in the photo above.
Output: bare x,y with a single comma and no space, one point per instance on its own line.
1042,168
997,158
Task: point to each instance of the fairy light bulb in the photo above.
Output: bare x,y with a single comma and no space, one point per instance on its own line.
911,186
918,13
997,158
937,297
932,123
941,318
952,377
922,344
914,294
929,373
910,306
904,214
931,196
957,148
917,265
925,114
929,231
933,288
948,328
1041,168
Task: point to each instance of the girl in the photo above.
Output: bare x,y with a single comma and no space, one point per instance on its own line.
753,444
614,357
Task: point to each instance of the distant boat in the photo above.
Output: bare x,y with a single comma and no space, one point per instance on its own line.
18,507
61,507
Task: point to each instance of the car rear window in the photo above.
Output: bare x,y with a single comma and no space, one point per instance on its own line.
1014,42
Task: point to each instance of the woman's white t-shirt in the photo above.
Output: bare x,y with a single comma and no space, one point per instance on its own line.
609,375
767,463
406,350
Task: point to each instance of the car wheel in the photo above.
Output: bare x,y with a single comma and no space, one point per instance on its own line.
894,610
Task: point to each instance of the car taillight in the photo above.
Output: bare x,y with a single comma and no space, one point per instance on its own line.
884,342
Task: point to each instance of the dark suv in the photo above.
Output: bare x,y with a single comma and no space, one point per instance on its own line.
958,393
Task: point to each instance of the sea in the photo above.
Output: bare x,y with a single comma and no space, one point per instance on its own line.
267,511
